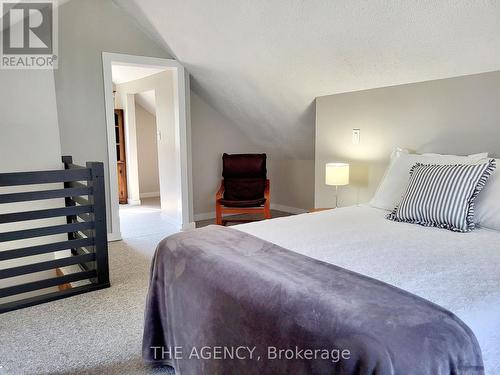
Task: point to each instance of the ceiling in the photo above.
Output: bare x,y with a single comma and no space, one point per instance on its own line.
147,100
126,73
261,63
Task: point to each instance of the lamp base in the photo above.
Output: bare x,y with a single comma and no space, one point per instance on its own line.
336,196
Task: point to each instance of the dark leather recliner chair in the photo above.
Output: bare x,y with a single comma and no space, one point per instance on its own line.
244,188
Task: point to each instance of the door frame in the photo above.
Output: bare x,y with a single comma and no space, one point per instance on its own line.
182,134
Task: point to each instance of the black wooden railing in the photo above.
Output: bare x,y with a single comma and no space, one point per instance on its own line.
85,210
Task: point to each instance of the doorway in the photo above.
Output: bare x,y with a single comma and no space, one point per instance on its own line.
137,149
156,170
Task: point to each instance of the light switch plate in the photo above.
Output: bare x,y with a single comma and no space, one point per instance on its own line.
356,136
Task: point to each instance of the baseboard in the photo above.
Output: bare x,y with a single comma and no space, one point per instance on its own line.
204,216
274,206
114,236
188,226
289,209
134,202
152,194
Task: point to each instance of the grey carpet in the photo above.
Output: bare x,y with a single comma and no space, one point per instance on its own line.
93,333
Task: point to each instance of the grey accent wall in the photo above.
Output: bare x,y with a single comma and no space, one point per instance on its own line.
457,115
29,141
29,134
212,135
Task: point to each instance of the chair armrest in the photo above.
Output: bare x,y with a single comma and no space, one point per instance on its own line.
220,192
267,189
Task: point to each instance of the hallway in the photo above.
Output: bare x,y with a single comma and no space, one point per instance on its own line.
144,220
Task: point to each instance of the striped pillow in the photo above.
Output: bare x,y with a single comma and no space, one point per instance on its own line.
443,195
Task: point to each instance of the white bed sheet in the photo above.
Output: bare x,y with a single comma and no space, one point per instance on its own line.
458,271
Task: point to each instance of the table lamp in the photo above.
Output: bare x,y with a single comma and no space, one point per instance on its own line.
337,174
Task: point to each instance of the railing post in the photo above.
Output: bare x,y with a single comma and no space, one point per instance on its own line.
97,199
67,160
68,201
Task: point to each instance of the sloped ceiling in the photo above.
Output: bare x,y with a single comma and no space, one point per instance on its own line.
147,100
262,63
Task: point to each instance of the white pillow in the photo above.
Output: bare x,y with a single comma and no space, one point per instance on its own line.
487,210
393,185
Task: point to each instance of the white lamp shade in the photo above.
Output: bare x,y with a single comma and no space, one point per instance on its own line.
337,174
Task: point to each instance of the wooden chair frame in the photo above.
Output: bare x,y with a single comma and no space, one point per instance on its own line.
220,209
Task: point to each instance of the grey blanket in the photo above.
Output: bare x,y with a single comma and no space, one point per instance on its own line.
224,302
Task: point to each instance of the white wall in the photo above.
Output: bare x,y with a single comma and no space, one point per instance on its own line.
133,192
147,152
29,141
456,115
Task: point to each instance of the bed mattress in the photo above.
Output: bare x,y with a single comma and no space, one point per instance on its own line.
458,271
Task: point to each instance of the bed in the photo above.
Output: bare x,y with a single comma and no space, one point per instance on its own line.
407,298
458,271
